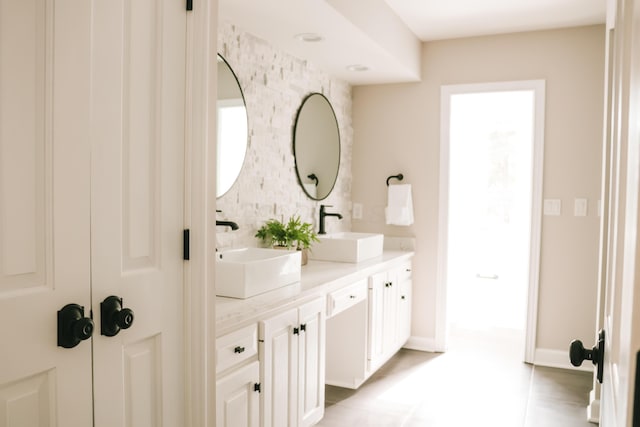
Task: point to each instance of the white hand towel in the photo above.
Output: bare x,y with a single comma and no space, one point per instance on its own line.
399,209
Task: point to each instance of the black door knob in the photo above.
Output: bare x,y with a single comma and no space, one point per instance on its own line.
114,317
578,354
73,327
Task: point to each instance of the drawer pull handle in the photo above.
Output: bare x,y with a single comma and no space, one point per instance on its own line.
238,350
408,270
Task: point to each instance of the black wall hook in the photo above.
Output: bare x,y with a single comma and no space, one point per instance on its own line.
313,177
399,177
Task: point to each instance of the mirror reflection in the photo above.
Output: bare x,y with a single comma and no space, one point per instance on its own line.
232,125
316,146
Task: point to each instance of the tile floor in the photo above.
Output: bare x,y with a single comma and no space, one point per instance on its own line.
473,384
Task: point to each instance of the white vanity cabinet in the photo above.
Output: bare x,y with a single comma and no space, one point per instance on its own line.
364,335
238,383
292,361
389,313
347,327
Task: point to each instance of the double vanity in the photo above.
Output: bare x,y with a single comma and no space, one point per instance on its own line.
334,321
285,330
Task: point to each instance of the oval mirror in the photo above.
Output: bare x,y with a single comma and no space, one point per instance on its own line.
316,146
232,123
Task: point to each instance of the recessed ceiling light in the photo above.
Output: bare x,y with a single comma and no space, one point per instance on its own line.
309,37
357,67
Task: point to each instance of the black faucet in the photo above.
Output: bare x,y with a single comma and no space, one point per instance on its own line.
324,214
231,224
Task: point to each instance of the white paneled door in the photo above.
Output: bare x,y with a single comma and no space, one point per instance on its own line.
137,200
44,210
92,99
622,218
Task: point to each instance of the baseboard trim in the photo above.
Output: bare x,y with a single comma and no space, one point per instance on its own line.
422,344
558,359
593,410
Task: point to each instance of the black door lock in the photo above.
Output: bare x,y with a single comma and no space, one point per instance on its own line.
114,317
73,327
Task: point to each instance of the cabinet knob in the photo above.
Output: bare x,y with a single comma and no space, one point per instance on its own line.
352,296
303,327
238,350
403,297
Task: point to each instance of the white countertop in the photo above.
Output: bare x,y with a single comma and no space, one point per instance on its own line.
317,278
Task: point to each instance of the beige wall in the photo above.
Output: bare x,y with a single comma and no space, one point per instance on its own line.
397,129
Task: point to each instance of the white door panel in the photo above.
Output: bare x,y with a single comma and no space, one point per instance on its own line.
44,210
137,208
622,283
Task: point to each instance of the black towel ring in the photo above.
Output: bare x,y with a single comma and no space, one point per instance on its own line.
399,177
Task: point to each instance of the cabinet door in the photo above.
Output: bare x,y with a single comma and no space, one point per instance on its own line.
404,312
376,313
237,400
311,362
389,314
279,366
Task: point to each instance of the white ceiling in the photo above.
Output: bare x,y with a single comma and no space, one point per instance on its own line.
385,35
433,20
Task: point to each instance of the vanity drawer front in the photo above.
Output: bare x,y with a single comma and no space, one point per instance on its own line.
236,347
344,298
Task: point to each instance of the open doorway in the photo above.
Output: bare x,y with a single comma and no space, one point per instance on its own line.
490,214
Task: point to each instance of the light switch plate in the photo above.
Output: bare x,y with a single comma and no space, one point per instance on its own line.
580,207
552,207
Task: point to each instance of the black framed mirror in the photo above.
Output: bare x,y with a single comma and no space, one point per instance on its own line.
316,146
232,128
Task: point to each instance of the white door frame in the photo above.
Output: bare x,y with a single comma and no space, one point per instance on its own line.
200,199
538,86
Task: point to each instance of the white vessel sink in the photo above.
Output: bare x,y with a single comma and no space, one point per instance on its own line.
347,247
243,273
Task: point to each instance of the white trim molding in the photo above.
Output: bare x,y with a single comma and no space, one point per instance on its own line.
199,304
421,343
593,410
558,359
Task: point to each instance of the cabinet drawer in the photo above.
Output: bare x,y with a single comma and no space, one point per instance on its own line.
344,298
236,347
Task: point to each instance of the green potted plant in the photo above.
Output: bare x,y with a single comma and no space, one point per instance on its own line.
294,234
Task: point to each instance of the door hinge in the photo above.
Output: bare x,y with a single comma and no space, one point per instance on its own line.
185,244
257,387
189,4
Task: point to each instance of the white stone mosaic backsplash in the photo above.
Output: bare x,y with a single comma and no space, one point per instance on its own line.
274,85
